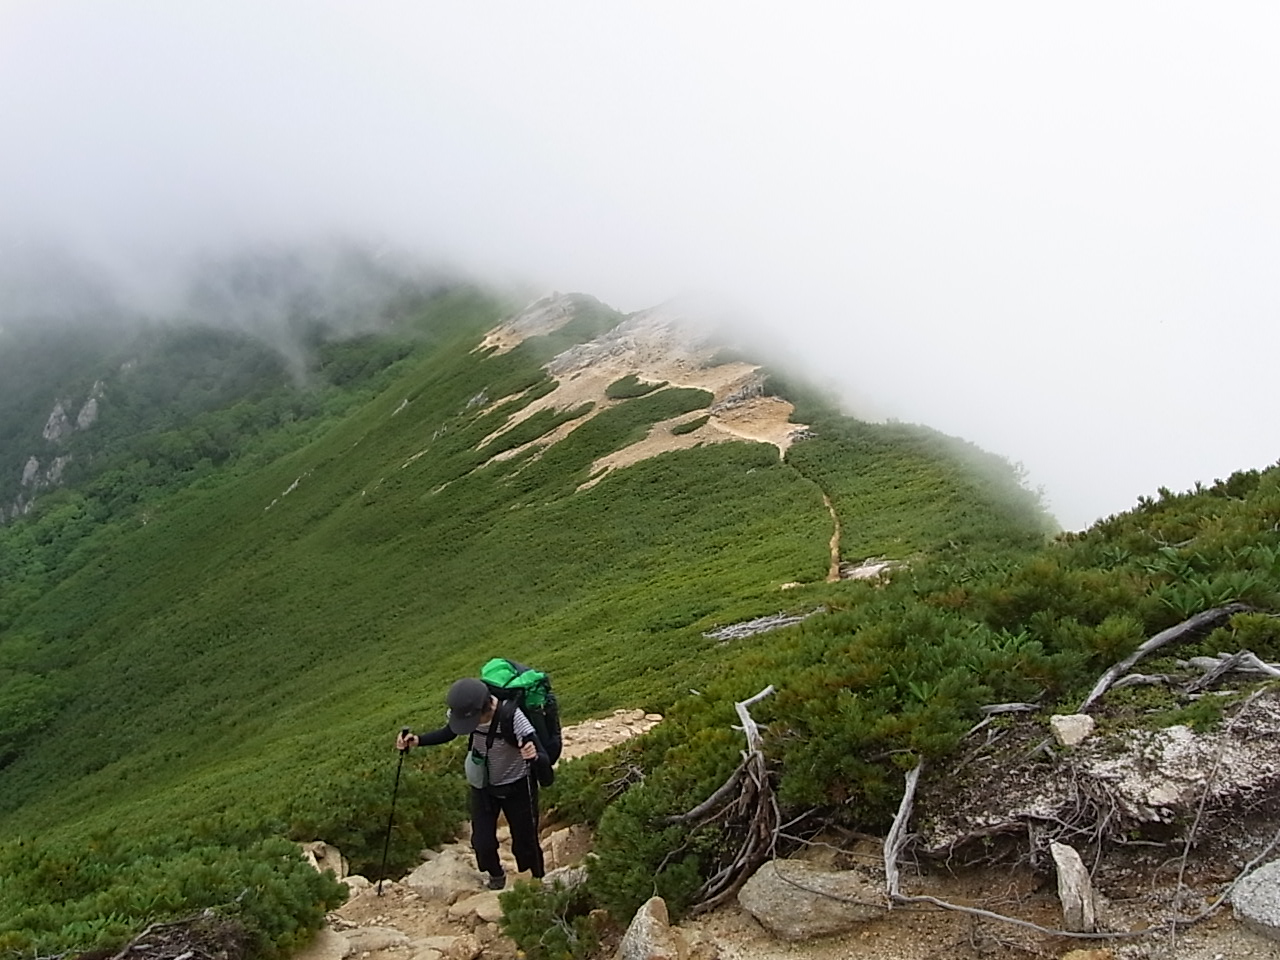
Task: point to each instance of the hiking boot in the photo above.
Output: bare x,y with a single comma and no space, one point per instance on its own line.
497,881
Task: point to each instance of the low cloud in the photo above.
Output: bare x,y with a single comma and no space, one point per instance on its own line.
1052,232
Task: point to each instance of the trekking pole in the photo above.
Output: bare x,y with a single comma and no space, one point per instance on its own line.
386,844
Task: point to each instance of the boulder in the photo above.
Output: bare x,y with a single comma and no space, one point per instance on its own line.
483,905
1071,730
651,936
567,846
356,884
369,939
567,877
796,900
1075,890
324,856
1256,900
446,878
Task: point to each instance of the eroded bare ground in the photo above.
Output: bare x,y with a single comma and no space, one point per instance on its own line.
656,346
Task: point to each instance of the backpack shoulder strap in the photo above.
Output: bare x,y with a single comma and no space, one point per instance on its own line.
504,723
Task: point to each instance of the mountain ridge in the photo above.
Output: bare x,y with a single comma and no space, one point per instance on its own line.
226,640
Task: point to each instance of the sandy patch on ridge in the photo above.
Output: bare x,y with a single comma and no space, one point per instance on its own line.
656,346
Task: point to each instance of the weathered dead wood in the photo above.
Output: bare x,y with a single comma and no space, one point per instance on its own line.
749,809
992,709
1245,662
897,837
712,803
1143,680
1206,619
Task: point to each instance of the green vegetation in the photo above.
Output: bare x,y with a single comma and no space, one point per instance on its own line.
689,426
234,605
550,924
631,386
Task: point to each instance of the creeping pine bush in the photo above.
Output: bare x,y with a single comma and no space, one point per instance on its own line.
352,813
550,924
630,386
74,897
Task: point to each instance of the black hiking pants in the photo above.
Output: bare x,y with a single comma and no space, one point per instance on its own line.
518,801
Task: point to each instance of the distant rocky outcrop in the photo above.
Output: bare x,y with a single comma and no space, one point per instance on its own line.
43,470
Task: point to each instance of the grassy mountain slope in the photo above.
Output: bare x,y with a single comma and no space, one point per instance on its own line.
243,644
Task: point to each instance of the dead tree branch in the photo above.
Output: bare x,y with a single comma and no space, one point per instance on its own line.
1245,662
1206,619
746,805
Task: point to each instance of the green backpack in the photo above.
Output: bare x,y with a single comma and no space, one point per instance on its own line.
516,685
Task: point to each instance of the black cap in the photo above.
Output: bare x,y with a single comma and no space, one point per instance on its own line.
467,699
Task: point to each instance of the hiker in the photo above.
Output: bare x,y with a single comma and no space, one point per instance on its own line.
504,751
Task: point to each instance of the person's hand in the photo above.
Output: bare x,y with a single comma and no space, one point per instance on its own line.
404,742
528,750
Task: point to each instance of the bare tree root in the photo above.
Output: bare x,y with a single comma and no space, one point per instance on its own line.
896,841
204,936
1206,619
749,809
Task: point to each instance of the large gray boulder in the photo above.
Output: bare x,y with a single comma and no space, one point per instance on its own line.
796,900
1256,900
447,877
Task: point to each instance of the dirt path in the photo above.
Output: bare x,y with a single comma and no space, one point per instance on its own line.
833,574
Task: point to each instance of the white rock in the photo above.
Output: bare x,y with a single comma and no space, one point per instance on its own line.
651,936
1256,900
1073,729
483,905
447,877
1075,890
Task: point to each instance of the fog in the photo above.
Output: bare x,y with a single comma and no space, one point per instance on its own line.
1053,231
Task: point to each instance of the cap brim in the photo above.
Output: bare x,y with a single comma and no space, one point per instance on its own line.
461,725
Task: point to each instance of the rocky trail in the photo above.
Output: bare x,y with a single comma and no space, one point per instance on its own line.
442,911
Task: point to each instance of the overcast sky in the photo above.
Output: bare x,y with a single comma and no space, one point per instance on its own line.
1051,229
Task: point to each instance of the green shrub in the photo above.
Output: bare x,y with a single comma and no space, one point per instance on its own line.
631,386
96,895
353,811
689,426
550,924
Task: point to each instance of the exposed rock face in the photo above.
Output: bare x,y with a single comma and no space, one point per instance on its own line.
749,628
43,471
796,900
59,425
1257,900
538,319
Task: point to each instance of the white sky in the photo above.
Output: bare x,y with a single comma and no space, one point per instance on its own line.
1050,229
